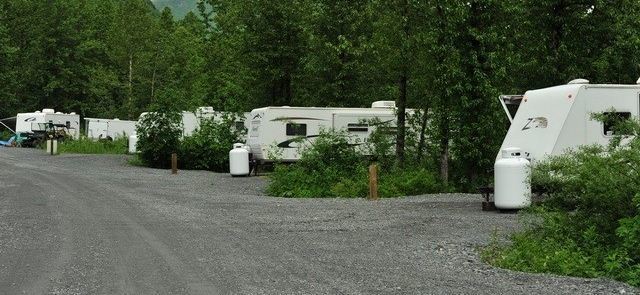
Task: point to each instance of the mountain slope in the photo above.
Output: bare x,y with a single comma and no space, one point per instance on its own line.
179,7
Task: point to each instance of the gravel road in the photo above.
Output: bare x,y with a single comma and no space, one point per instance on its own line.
76,224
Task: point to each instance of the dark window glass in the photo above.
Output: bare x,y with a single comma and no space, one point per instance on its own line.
613,119
296,129
239,126
353,127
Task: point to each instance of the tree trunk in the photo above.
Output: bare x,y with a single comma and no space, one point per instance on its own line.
444,155
423,131
153,84
130,86
402,99
444,161
401,125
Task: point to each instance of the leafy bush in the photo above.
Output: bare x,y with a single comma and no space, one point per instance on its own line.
590,224
87,146
208,147
333,167
329,160
159,134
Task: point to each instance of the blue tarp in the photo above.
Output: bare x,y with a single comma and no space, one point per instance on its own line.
8,142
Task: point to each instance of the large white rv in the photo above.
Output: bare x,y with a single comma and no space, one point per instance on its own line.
277,133
191,120
30,122
109,128
552,120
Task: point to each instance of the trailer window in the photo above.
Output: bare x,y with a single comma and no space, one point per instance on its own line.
294,129
355,127
239,126
613,119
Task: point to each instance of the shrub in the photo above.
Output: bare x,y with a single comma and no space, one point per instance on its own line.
333,167
159,134
590,224
88,146
208,148
329,160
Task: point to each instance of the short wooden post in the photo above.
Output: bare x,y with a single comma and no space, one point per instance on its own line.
174,163
373,181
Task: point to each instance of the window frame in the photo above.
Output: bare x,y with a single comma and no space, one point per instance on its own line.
608,127
296,129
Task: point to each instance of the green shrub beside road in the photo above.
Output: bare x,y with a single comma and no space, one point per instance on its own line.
88,146
590,224
208,147
332,167
160,135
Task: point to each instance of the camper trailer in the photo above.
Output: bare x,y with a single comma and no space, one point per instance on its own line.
37,121
109,128
191,120
553,120
278,132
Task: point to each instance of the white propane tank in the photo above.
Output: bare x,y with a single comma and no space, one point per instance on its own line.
239,160
133,144
512,176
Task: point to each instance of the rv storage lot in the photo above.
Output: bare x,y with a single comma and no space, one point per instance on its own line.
94,225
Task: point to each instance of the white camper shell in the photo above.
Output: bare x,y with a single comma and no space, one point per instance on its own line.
109,128
552,120
191,120
277,133
36,121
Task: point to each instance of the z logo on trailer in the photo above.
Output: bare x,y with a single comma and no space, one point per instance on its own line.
537,122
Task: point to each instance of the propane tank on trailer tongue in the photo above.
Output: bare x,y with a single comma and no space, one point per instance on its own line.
512,180
239,160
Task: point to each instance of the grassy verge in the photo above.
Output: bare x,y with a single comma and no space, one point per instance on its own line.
88,146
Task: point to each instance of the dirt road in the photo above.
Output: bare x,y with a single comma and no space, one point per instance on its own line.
77,224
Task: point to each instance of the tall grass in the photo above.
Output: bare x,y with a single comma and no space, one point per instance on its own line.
88,146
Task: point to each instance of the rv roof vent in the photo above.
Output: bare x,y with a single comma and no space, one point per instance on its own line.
72,113
116,119
383,104
578,81
48,111
59,113
38,112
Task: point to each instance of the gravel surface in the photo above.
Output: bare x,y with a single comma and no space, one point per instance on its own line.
76,224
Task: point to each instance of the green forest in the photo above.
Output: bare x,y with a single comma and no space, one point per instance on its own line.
450,59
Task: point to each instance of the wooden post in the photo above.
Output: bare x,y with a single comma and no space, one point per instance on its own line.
373,181
174,163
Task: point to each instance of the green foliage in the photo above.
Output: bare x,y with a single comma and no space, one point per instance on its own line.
159,135
88,146
333,167
208,147
114,58
590,224
328,161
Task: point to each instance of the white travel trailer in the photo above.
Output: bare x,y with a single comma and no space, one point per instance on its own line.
36,121
109,128
191,120
275,133
552,120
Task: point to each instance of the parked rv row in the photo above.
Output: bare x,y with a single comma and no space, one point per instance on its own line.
544,122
